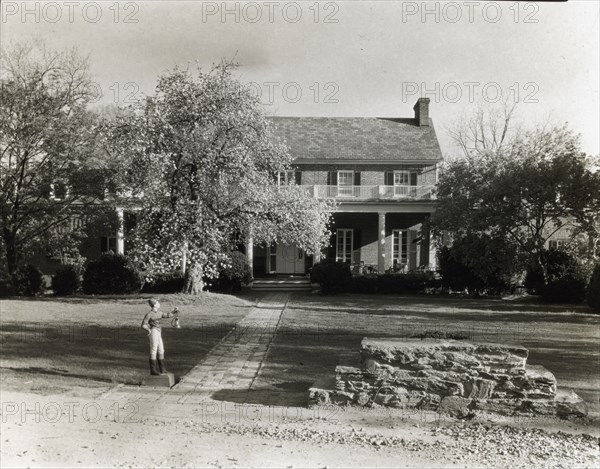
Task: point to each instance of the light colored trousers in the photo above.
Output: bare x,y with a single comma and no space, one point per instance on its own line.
156,344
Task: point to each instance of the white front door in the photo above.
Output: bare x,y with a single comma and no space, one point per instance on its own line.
290,259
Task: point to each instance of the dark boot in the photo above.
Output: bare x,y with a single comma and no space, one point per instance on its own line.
161,366
153,367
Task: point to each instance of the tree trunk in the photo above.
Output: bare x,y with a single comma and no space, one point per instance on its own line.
540,264
194,284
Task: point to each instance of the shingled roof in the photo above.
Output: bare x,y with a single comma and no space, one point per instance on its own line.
357,139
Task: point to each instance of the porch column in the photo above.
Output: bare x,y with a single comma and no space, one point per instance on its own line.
317,257
250,253
120,231
381,243
432,252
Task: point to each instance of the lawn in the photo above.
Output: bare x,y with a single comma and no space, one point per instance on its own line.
52,344
319,332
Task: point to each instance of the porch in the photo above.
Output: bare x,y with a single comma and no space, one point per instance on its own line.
368,242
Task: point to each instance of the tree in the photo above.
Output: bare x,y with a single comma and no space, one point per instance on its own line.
200,157
47,138
489,129
522,192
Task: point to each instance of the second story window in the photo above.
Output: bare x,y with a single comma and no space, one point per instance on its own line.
403,181
288,177
401,178
557,244
345,183
59,190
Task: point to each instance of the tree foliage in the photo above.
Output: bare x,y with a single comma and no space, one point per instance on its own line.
521,193
47,143
200,157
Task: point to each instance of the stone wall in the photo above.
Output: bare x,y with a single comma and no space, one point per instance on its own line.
451,376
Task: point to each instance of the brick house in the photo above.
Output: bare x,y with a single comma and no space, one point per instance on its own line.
381,171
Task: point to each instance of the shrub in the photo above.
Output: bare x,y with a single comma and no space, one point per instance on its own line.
593,290
333,277
565,278
456,275
111,274
171,282
364,284
66,280
565,290
232,277
6,287
388,283
534,280
478,263
30,281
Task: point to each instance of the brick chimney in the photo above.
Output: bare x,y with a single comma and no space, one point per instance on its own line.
421,109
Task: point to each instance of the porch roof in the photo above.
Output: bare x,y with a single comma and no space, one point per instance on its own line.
328,139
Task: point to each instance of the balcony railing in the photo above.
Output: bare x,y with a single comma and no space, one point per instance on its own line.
371,192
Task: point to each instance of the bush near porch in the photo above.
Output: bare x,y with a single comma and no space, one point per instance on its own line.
335,277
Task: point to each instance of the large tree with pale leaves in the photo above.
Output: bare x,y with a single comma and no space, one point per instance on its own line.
200,159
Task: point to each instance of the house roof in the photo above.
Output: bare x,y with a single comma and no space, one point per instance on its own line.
357,139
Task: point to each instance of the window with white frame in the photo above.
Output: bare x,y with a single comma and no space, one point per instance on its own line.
343,251
285,177
557,243
77,223
59,190
400,247
401,183
345,183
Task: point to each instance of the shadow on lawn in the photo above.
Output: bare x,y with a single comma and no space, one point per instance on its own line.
417,302
100,353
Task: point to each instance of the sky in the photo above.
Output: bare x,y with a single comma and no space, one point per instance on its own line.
353,59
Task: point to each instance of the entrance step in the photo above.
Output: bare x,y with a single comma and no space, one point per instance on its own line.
284,284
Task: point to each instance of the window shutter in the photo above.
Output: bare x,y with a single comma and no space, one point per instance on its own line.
332,178
298,176
389,178
413,179
357,178
103,244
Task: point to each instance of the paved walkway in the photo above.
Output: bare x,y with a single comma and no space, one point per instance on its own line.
233,364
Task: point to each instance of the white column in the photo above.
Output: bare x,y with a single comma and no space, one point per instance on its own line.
250,253
316,257
432,252
381,243
120,231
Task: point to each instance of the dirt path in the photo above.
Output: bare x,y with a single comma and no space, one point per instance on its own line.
62,431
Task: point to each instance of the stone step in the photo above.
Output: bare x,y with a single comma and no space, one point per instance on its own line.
282,285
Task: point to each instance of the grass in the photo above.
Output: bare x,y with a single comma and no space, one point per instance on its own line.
51,344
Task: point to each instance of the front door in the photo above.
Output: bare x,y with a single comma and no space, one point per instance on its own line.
290,259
